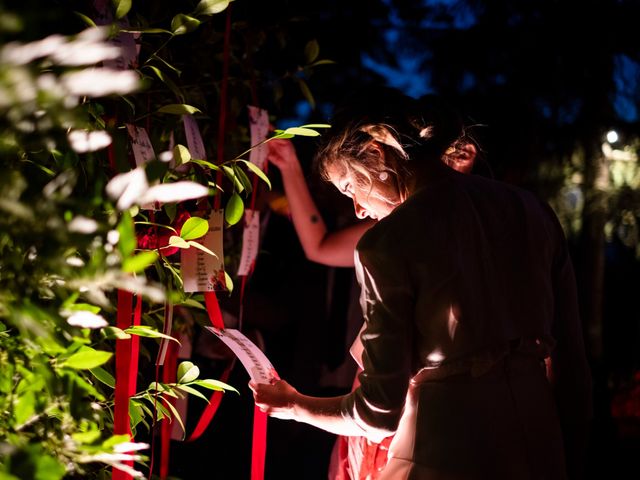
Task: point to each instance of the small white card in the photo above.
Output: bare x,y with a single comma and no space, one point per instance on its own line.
129,56
201,271
252,358
250,241
194,138
141,144
259,126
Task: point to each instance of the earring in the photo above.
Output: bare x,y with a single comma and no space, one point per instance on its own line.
383,176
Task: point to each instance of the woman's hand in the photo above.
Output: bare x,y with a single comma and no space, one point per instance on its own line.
282,154
277,400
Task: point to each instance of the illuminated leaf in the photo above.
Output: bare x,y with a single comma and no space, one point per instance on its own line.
187,372
211,7
139,262
181,154
255,169
311,51
122,7
234,209
304,132
87,358
179,109
194,227
181,24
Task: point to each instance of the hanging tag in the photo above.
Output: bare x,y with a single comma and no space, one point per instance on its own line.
255,362
128,59
141,144
259,125
250,241
201,271
194,139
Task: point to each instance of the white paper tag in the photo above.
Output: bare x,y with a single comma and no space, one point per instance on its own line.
259,125
129,57
252,358
194,139
202,272
141,144
250,241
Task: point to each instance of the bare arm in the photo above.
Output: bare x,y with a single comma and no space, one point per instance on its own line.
329,248
282,401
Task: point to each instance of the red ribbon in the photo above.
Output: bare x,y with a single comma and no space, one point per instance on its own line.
215,316
126,370
169,372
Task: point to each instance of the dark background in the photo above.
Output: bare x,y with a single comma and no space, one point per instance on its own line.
543,81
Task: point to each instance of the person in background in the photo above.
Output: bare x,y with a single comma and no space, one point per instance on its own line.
468,294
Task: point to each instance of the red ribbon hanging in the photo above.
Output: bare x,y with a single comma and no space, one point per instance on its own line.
169,372
126,370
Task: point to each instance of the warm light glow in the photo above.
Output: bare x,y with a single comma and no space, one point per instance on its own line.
612,136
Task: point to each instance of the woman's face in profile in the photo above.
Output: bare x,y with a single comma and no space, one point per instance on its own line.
375,200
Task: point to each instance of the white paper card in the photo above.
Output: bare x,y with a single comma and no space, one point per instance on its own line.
202,272
259,126
129,56
252,358
141,144
250,241
194,138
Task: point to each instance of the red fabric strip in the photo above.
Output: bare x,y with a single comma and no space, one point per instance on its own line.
222,118
213,309
211,409
121,424
169,371
259,444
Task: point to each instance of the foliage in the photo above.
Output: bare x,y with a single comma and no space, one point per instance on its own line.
76,226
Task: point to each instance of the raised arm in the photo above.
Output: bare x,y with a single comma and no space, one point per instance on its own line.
329,248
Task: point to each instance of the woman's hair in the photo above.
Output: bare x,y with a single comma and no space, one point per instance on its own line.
409,131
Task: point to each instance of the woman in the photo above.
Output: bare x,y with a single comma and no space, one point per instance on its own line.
467,287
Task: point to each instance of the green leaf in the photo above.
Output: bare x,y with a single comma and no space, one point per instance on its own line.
24,407
181,24
48,468
231,175
304,132
187,372
86,437
214,385
111,333
174,413
109,443
179,109
234,210
311,51
306,92
211,7
206,164
104,376
86,359
178,242
194,227
199,246
139,262
167,81
255,169
122,7
316,125
127,242
192,391
181,154
322,62
150,332
228,282
89,22
244,179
